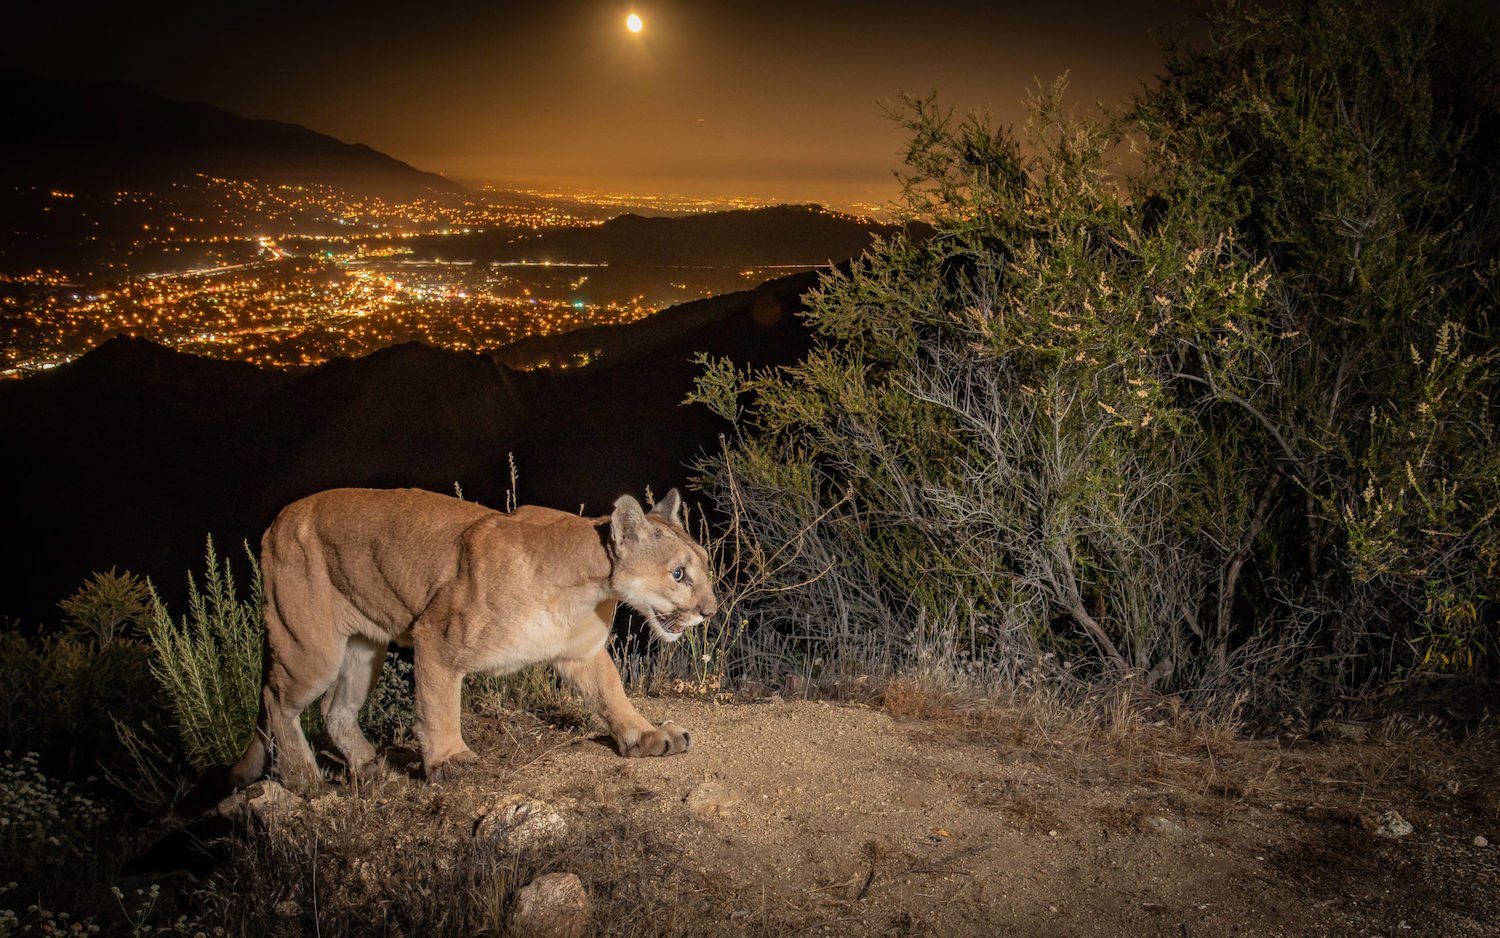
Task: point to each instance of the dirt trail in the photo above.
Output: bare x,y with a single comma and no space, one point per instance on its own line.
810,817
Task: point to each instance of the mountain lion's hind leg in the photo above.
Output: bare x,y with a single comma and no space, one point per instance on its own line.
283,699
598,680
357,675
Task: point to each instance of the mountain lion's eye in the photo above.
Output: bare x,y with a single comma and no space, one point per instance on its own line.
678,574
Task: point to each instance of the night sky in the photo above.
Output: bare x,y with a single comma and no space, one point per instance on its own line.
712,99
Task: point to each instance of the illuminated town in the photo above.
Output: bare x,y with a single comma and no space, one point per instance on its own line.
291,276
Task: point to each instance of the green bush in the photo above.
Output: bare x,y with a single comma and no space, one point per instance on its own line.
1221,429
1354,146
208,664
208,669
109,605
387,716
59,696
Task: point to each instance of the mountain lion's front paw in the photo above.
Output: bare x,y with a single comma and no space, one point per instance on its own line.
450,767
662,741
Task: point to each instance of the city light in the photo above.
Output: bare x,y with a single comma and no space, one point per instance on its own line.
291,276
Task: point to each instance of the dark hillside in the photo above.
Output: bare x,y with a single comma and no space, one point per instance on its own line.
129,456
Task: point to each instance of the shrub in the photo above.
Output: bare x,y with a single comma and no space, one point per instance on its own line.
208,665
206,672
108,605
1224,428
387,715
1354,146
59,696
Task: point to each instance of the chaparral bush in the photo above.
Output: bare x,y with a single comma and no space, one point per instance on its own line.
1219,426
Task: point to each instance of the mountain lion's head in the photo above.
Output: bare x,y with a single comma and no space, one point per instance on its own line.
659,570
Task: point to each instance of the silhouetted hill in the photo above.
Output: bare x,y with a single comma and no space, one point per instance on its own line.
108,135
689,323
131,455
779,235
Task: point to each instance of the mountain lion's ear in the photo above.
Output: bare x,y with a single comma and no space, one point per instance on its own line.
670,508
628,523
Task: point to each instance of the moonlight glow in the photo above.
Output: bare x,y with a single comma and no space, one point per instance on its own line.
633,23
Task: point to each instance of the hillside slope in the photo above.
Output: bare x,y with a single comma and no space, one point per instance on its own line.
135,452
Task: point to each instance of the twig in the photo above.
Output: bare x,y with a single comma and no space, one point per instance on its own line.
939,865
831,921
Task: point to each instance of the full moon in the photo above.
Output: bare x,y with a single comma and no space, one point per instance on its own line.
633,23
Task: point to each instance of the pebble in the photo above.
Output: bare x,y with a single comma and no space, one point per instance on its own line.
1481,841
1391,824
1162,825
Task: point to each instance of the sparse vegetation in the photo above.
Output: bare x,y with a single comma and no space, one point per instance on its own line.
47,826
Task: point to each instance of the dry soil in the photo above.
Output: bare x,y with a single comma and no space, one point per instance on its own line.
823,818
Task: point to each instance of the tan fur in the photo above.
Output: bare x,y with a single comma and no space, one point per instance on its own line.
348,571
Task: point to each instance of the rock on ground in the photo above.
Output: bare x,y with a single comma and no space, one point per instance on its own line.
551,906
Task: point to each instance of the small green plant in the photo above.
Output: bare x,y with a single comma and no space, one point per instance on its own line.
207,671
108,606
535,689
208,665
60,693
388,713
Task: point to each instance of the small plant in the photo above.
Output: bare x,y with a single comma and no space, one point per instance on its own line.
536,689
388,713
207,668
108,605
209,664
59,694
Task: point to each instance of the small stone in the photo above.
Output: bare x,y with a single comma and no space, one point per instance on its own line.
1161,825
1391,824
551,906
259,802
516,822
1481,841
711,799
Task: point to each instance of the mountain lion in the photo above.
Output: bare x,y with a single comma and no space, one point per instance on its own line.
347,571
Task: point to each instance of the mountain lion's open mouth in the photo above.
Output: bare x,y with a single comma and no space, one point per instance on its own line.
670,622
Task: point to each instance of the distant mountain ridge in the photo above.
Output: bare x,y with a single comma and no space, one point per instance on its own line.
108,135
783,235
